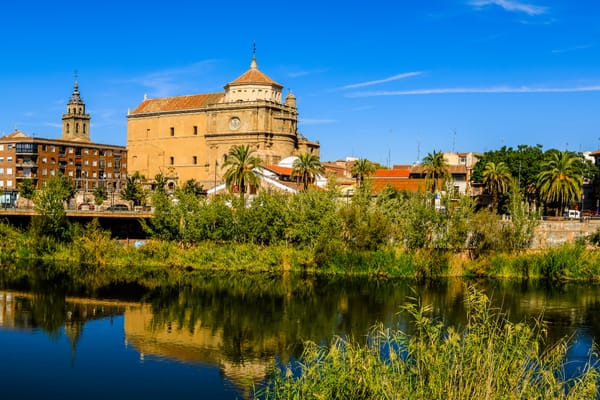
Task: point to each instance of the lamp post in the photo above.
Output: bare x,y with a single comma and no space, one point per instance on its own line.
215,187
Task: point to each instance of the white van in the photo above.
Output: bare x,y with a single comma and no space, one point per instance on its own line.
573,214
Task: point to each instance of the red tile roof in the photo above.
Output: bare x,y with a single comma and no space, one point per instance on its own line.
392,173
279,170
178,103
411,185
254,76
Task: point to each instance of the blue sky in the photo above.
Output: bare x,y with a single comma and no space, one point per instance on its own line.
386,80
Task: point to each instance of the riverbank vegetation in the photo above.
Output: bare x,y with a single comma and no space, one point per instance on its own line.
490,358
397,234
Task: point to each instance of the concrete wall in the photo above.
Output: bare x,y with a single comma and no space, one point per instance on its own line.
553,233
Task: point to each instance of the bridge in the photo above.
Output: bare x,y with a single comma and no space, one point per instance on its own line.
122,224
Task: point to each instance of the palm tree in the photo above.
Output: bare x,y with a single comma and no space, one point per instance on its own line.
496,178
306,168
240,162
362,169
436,170
560,180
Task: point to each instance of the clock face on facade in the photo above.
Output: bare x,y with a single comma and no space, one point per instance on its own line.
234,123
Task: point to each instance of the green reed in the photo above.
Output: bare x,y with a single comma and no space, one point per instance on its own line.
490,358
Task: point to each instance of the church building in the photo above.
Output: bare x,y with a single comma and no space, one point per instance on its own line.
188,137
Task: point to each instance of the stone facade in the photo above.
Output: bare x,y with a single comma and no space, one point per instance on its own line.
188,137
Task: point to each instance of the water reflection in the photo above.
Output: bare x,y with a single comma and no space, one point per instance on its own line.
240,326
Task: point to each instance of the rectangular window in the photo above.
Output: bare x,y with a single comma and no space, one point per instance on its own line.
52,172
86,151
1,171
1,159
172,131
195,130
86,162
70,173
195,160
93,174
1,184
9,171
44,160
52,149
172,160
44,172
70,150
9,183
9,159
94,163
1,147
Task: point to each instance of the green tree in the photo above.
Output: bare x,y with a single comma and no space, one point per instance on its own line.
524,164
239,175
192,187
560,179
160,183
362,169
436,170
50,206
27,189
496,178
133,191
306,167
100,194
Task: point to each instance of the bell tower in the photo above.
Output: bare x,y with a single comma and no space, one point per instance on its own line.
75,122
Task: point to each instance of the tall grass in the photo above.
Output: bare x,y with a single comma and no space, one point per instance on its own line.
490,358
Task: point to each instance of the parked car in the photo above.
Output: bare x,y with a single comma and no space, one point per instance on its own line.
118,207
86,206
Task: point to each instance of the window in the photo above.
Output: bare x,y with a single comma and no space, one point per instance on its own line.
172,131
1,184
77,128
195,130
44,160
9,171
1,171
93,174
86,162
94,163
86,151
172,160
67,128
70,173
52,149
9,159
9,183
44,172
195,160
70,150
1,159
52,172
1,147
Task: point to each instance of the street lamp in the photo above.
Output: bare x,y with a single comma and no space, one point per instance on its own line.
215,187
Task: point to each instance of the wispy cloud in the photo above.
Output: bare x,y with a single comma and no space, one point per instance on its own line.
570,49
170,81
298,74
403,75
317,121
493,89
511,5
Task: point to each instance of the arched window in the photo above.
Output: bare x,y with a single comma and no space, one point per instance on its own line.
67,128
77,127
83,128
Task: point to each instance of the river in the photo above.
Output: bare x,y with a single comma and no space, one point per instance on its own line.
218,337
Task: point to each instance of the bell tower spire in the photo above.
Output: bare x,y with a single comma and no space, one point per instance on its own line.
75,122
